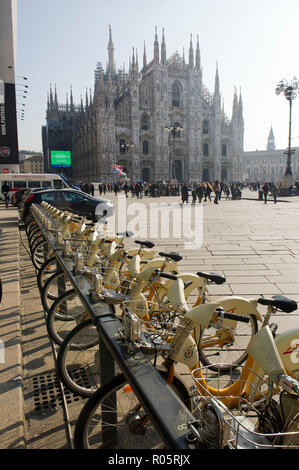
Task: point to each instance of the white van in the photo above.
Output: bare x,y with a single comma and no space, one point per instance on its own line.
18,181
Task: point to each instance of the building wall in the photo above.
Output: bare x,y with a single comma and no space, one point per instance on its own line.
33,164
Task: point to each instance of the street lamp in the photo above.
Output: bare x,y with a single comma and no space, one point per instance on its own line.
126,147
174,129
288,89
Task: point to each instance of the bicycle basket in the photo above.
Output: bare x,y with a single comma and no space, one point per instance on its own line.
252,418
148,327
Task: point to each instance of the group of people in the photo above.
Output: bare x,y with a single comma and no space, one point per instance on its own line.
204,190
266,188
197,191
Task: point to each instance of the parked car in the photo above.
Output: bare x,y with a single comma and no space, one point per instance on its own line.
71,200
17,196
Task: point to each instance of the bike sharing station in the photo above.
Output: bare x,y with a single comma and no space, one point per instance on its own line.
174,422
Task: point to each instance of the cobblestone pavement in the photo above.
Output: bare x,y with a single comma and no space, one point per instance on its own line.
254,245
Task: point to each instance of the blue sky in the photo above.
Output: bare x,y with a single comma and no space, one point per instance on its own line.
254,42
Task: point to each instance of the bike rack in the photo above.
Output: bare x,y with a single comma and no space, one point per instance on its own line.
167,412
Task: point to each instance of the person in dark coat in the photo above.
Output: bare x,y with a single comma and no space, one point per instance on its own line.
185,193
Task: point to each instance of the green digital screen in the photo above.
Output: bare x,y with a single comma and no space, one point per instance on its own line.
61,158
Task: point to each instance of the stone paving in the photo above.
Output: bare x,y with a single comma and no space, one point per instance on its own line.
255,245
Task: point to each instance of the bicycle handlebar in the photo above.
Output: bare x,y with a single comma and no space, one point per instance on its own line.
168,276
234,316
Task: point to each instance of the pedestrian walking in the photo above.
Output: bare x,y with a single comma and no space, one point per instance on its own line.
275,192
5,191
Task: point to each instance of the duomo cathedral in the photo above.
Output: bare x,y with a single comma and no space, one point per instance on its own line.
157,120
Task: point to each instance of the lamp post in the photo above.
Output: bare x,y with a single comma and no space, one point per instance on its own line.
288,89
175,131
126,147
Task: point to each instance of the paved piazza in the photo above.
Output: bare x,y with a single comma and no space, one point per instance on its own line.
253,244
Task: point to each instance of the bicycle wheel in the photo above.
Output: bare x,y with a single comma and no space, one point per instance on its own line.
47,269
53,288
64,315
34,238
233,350
30,223
78,359
32,228
40,253
116,403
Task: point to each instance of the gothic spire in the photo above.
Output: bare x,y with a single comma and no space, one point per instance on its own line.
71,99
55,98
67,102
191,54
217,85
156,48
111,64
240,109
235,104
144,56
86,99
163,50
197,56
271,140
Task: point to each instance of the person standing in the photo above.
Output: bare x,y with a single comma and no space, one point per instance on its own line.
200,192
265,189
194,194
275,191
217,190
91,189
5,191
185,193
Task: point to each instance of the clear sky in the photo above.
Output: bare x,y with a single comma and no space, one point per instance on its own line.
255,43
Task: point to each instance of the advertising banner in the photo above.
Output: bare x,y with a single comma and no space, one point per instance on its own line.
9,151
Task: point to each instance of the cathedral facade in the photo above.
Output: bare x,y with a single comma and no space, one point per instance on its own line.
158,122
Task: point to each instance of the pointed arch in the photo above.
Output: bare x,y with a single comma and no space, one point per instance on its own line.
176,94
145,122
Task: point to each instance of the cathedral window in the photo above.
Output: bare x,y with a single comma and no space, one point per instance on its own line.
206,149
205,127
145,123
145,147
224,150
176,98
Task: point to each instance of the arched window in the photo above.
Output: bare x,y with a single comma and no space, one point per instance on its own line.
145,147
206,149
144,122
176,98
223,174
122,146
205,127
206,175
224,150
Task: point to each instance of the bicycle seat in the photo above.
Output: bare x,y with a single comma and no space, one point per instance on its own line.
213,277
173,256
146,243
280,302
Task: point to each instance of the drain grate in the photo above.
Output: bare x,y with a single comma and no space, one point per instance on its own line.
47,394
